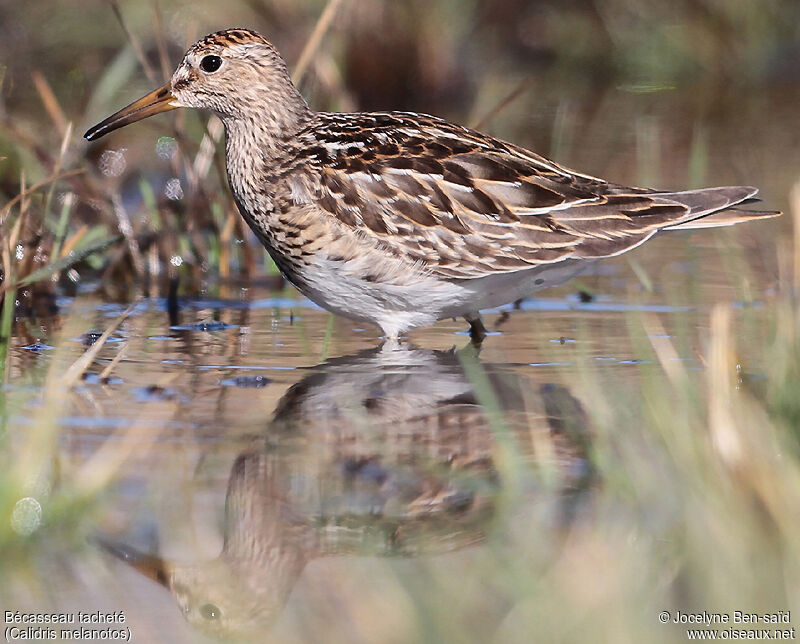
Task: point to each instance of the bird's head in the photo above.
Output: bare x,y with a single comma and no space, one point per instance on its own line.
236,73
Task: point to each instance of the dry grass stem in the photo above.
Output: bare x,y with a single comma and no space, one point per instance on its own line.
315,39
50,102
720,373
74,373
37,186
134,41
665,351
503,103
125,227
105,373
794,203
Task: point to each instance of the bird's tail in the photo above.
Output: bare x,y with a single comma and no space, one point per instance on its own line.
714,207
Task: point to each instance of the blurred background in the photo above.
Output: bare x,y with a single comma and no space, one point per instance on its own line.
671,96
170,410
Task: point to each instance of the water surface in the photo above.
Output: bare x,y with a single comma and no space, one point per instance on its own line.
276,467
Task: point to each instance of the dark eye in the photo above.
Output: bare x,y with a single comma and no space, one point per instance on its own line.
210,64
209,611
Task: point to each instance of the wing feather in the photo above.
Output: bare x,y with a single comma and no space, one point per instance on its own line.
465,205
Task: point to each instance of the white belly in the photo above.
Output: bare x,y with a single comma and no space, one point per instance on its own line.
398,298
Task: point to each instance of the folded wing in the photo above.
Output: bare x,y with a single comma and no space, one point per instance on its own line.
464,205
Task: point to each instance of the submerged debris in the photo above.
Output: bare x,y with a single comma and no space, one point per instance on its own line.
252,382
157,392
210,326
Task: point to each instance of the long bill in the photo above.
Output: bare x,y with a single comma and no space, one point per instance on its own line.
150,566
157,101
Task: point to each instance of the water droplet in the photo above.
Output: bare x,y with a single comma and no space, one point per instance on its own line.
112,162
26,516
173,189
176,260
166,147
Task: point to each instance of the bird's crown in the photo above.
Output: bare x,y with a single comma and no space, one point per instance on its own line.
229,37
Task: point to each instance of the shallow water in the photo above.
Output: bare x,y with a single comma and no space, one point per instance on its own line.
258,467
275,467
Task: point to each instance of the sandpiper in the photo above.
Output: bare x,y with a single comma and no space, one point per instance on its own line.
402,219
383,453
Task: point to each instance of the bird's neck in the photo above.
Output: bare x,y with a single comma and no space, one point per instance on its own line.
255,140
267,120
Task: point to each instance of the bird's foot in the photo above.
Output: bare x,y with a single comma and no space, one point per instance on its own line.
477,332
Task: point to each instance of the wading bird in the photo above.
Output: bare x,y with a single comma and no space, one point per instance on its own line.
402,219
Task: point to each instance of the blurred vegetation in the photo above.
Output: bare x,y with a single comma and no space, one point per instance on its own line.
699,499
158,190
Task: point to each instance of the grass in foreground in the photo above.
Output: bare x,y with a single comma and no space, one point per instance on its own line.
694,506
697,499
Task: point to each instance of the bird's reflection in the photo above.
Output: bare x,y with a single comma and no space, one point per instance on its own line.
386,452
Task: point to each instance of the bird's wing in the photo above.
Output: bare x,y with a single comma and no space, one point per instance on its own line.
465,205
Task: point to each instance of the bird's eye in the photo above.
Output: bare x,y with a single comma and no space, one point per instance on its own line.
209,611
210,64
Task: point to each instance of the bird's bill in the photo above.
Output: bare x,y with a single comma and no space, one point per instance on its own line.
157,101
150,566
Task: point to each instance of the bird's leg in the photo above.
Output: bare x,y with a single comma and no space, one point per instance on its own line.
477,332
504,317
392,343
